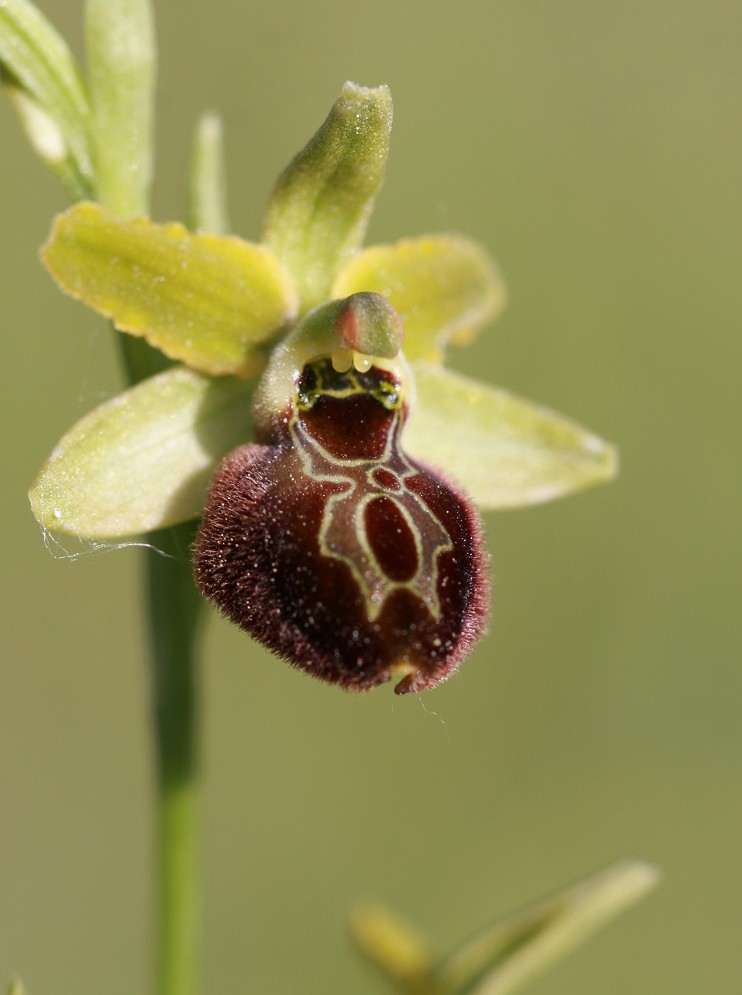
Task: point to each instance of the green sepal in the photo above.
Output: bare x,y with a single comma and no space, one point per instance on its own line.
47,88
143,460
501,959
505,451
445,289
206,300
318,214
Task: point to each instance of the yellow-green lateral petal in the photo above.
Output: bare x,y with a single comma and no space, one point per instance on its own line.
142,460
445,289
319,210
504,450
206,300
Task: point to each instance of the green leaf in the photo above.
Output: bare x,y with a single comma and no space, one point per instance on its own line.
121,58
16,987
505,451
503,958
46,86
319,211
142,460
444,288
207,183
205,300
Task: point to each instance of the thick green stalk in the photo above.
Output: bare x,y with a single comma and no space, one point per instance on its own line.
175,611
121,70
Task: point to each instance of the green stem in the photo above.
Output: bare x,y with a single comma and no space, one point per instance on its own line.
174,610
121,50
174,615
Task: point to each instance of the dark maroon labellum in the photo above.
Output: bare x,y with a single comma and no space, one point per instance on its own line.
333,548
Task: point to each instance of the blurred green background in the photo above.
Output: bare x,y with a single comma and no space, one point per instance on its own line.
595,148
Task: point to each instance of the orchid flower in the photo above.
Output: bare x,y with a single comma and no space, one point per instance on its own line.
309,418
304,414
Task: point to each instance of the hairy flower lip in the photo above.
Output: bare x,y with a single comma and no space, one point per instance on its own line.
290,552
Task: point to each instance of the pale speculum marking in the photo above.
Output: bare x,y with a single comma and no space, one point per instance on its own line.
387,536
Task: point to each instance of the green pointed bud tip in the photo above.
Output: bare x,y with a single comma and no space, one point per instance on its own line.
365,102
319,210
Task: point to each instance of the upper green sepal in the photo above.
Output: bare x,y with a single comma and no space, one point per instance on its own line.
143,460
317,216
507,452
207,300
